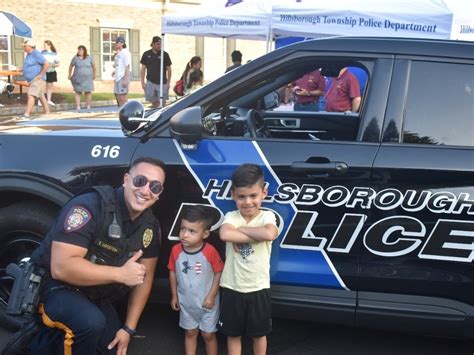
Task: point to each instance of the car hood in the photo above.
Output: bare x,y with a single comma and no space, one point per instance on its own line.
66,123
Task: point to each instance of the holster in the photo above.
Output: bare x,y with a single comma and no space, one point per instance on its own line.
24,297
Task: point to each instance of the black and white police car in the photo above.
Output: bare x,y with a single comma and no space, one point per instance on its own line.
375,209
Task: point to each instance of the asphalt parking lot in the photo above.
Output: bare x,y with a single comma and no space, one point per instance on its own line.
159,334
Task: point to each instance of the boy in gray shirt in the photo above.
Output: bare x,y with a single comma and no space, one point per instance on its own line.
195,271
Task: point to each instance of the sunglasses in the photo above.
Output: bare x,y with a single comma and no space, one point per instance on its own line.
154,185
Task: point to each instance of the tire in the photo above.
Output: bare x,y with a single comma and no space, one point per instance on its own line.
23,226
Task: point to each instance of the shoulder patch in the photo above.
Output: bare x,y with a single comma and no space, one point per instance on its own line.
147,237
76,218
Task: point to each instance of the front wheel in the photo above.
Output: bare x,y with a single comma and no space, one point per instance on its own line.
23,225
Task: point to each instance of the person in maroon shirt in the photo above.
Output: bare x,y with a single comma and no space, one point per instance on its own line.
307,91
344,93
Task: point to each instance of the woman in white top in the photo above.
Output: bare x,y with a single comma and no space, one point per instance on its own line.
51,56
196,80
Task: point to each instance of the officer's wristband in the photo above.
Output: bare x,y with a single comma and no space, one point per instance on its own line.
130,331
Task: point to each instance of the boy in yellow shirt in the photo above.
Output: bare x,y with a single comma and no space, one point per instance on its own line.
245,282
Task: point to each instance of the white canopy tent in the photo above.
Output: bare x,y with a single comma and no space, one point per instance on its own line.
270,19
388,18
249,19
463,19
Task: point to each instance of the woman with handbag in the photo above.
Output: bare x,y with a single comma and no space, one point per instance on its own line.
182,84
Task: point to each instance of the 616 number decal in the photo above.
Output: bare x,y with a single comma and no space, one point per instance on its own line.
105,151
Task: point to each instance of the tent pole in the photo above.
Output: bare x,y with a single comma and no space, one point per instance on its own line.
161,70
225,50
269,33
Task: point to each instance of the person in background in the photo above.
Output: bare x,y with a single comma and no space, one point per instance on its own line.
194,64
52,57
236,60
34,70
195,81
359,73
82,75
344,93
183,85
361,76
245,283
151,69
123,71
286,94
195,269
307,90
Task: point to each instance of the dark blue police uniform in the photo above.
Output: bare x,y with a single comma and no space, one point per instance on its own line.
84,316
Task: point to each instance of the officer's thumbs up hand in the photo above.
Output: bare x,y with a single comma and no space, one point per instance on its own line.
137,255
133,273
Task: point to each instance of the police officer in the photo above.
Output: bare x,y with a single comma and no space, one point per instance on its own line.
104,243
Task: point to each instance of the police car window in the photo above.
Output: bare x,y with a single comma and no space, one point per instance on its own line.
310,99
442,115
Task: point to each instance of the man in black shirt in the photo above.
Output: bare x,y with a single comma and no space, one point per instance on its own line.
151,69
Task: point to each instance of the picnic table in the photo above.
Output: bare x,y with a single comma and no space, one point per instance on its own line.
11,74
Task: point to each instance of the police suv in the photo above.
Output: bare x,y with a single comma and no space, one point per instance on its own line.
375,208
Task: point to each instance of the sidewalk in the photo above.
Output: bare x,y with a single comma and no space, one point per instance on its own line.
9,111
20,109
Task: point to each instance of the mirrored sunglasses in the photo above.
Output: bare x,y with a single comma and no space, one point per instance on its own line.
154,185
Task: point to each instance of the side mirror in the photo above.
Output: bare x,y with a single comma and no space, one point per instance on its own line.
131,115
271,100
186,127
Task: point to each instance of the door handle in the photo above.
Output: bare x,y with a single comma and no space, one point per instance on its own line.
335,167
290,123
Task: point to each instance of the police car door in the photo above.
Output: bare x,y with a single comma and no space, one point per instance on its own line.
317,170
417,256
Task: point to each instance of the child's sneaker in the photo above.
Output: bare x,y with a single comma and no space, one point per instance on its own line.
40,104
51,103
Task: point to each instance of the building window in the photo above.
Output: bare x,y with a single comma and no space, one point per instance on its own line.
4,53
108,36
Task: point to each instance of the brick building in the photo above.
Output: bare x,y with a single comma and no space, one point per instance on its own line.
96,23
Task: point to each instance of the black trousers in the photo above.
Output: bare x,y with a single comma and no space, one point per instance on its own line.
72,324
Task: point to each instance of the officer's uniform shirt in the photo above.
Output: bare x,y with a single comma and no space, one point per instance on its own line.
79,222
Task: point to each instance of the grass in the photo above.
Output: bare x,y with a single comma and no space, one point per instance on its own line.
68,97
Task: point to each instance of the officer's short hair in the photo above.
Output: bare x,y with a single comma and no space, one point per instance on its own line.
247,175
148,160
198,213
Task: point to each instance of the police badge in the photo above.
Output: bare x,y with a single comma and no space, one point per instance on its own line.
147,237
